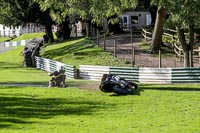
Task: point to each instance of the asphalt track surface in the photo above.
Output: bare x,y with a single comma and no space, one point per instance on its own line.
4,49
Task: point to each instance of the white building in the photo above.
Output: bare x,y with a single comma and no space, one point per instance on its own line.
13,31
137,19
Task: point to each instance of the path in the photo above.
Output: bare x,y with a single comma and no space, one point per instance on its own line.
142,57
4,49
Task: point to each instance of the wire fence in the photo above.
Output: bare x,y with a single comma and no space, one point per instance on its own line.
127,47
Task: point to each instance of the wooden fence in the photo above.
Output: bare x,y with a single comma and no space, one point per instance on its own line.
173,40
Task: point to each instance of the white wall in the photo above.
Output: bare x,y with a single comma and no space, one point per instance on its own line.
144,18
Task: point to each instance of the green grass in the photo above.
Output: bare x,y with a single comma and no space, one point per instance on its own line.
81,52
3,39
151,109
29,36
12,70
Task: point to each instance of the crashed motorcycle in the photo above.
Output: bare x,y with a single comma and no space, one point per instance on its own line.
116,84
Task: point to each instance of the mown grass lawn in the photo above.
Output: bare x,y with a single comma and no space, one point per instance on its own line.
28,109
82,108
3,39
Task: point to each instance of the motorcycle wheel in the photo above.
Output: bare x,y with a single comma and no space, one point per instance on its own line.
133,86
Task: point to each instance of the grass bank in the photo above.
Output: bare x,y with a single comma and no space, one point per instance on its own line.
81,52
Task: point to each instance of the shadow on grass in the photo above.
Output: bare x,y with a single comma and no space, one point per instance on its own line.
17,109
27,83
73,48
172,87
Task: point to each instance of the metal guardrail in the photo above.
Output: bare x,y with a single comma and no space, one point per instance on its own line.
128,73
142,75
185,75
50,66
16,43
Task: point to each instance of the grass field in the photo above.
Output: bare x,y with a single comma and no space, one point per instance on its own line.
28,109
3,39
82,108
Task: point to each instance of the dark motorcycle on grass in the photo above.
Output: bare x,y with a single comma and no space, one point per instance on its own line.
116,84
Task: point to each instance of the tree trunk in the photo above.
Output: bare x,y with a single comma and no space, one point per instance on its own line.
49,33
158,30
186,47
66,30
191,40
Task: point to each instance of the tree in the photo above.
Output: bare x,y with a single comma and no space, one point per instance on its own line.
158,27
94,11
19,12
185,15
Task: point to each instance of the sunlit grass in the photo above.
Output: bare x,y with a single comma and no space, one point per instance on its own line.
82,108
3,39
151,109
81,52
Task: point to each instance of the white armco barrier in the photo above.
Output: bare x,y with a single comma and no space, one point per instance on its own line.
50,66
155,75
90,72
16,43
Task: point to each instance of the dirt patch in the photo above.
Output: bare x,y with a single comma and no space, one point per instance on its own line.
142,57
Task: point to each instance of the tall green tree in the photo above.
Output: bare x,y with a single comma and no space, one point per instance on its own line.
19,12
95,11
185,15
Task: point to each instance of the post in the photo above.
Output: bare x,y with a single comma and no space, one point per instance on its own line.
199,53
133,55
190,58
97,36
160,60
115,49
180,58
145,34
104,42
133,50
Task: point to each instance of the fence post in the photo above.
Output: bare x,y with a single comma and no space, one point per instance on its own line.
199,53
115,49
160,60
180,58
145,34
97,36
190,58
104,42
133,55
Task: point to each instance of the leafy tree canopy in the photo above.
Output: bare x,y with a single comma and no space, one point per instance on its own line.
94,10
